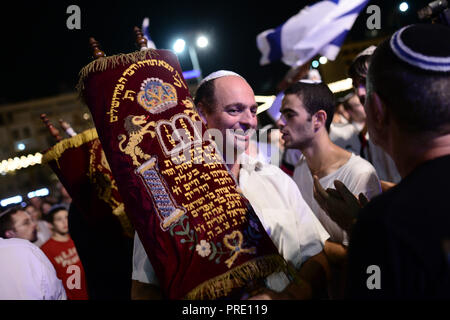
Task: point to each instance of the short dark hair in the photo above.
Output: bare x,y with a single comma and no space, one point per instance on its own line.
45,201
6,222
359,67
205,95
54,210
418,100
315,97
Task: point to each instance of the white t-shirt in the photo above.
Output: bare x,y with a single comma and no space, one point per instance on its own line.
291,156
290,223
357,174
43,234
26,273
383,163
346,137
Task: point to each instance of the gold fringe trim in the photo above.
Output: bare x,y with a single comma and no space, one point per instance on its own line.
124,221
103,63
58,149
238,277
86,136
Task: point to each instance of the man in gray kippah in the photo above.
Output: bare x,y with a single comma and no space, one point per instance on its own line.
400,244
383,163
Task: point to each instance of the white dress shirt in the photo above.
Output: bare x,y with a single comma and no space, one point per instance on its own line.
26,273
290,223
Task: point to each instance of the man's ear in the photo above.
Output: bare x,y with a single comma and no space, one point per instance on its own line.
201,111
319,120
10,234
379,111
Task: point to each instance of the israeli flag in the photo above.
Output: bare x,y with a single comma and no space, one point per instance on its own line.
319,28
145,24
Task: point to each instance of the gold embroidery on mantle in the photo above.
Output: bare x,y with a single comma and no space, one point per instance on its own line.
136,132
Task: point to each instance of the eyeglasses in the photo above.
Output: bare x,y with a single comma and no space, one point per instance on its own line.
26,223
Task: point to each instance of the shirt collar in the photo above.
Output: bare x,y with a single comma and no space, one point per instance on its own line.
250,163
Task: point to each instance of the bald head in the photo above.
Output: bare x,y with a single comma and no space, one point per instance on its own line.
233,90
221,85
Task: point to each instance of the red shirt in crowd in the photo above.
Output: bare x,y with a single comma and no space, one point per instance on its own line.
69,269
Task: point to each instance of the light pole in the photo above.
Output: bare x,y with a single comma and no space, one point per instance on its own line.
195,64
201,42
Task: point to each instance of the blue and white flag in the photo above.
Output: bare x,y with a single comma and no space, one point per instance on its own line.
320,28
145,24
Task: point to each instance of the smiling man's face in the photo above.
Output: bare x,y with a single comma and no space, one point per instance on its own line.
235,109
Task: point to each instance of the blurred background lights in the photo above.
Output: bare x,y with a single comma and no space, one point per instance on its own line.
179,45
403,6
38,193
17,163
12,200
202,42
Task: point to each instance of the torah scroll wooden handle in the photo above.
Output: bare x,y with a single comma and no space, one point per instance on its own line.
67,128
53,131
95,47
141,42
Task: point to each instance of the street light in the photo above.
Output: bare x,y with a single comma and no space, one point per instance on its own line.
403,6
179,45
323,60
202,42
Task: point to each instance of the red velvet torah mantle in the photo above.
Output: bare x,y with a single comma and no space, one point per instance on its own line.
201,235
81,166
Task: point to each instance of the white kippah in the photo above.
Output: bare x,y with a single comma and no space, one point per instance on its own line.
366,52
314,74
219,74
404,52
309,81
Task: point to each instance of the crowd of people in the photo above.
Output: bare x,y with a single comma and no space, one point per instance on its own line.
364,213
45,264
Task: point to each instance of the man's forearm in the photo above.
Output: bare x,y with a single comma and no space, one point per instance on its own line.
311,281
335,252
314,276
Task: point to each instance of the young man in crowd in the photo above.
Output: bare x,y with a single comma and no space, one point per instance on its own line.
347,135
61,251
306,115
43,228
382,162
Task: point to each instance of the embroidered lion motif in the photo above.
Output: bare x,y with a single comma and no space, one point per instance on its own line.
134,127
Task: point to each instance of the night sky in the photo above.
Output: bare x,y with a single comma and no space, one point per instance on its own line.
41,57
